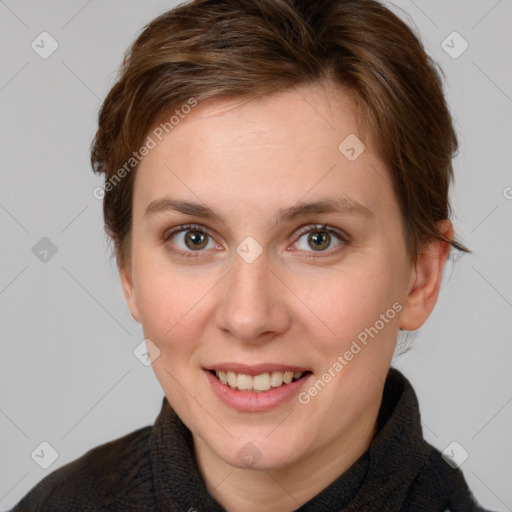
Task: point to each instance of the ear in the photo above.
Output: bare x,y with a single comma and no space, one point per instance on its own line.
425,282
129,291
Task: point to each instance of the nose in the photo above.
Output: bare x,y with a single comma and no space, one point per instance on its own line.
255,307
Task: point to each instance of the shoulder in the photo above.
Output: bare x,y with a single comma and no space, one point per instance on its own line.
438,481
111,476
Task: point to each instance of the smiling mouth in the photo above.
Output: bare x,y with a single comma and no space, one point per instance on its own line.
258,383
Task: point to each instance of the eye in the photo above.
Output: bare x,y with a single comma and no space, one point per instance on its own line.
320,238
189,239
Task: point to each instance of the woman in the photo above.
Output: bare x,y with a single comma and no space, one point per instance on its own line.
276,188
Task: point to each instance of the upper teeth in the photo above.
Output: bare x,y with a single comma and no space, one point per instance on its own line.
262,382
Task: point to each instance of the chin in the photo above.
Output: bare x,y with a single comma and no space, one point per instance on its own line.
259,453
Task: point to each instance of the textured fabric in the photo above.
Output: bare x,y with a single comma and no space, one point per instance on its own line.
154,469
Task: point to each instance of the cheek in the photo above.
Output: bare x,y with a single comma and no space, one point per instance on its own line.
355,300
169,302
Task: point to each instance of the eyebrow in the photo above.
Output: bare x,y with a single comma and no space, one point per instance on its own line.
324,205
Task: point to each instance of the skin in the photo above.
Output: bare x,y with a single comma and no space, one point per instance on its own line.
247,160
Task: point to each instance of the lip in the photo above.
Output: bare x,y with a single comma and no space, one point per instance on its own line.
256,369
250,401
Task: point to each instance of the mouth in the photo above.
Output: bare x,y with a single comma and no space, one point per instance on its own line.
261,382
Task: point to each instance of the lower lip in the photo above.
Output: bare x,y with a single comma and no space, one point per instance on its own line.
251,401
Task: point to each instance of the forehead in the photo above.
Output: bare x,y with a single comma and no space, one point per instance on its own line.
264,154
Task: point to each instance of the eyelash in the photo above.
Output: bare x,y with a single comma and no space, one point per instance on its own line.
344,238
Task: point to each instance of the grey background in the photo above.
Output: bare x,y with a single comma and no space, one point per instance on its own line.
68,375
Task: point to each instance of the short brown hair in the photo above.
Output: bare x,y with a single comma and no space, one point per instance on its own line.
252,48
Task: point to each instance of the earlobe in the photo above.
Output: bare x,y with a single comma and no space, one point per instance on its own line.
129,292
426,278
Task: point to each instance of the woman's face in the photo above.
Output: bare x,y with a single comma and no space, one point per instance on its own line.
268,288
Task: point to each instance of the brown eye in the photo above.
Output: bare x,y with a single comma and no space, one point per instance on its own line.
196,240
188,241
319,240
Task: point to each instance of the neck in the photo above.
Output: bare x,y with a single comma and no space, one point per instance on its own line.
285,489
